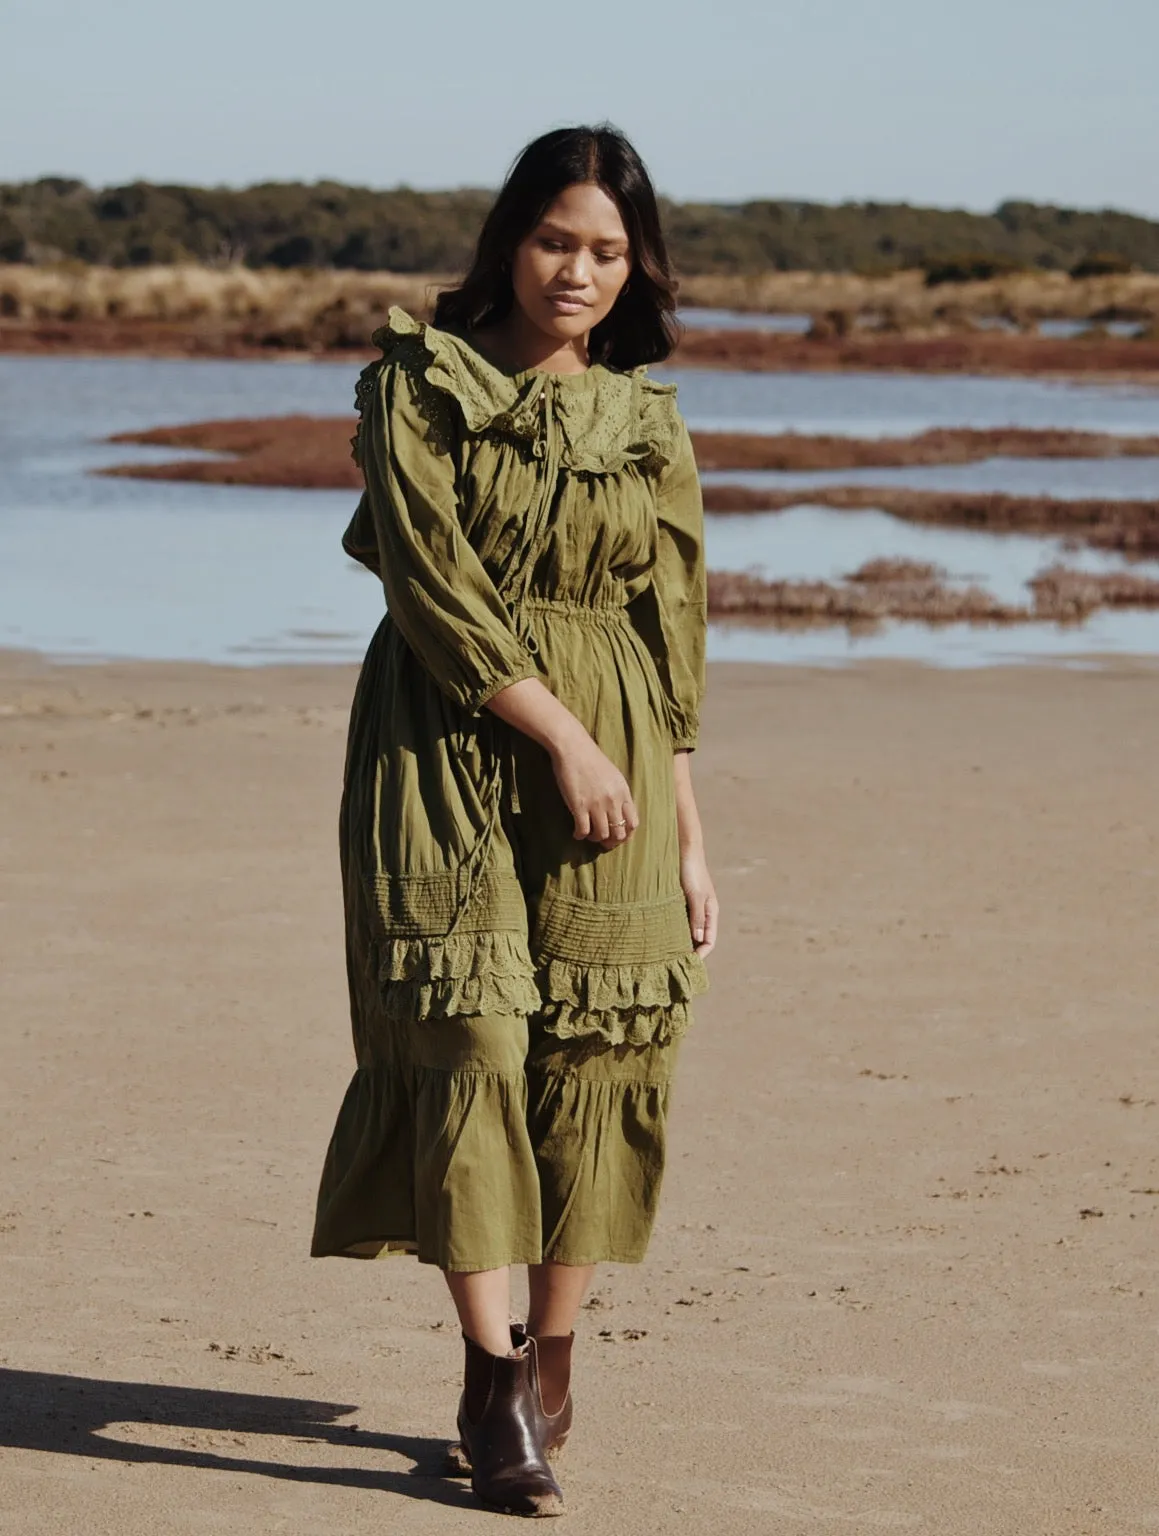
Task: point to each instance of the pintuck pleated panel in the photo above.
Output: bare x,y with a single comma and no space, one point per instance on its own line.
623,933
425,906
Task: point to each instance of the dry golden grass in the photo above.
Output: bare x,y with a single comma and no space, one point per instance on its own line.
229,295
314,301
903,301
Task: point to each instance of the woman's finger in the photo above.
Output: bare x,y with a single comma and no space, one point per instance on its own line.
711,925
583,824
630,814
599,825
696,918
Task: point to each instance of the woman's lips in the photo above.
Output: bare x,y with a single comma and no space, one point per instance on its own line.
565,303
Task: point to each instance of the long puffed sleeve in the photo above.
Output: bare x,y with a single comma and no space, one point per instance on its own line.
360,541
671,614
407,529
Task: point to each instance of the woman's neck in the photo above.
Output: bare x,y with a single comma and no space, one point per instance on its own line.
516,344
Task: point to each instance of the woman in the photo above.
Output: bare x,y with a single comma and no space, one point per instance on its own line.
527,899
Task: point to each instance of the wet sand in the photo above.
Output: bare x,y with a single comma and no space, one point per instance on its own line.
905,1274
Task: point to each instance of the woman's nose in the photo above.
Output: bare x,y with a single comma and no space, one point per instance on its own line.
577,269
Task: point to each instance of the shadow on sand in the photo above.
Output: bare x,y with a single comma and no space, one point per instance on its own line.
74,1416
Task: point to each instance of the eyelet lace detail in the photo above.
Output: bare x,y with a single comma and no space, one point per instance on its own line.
608,419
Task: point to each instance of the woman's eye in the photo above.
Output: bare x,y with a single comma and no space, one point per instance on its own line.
605,256
553,245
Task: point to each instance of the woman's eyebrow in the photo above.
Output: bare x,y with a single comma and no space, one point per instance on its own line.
547,227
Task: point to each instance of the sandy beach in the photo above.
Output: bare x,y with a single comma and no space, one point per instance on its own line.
907,1268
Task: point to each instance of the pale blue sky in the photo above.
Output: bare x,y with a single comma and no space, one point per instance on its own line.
934,101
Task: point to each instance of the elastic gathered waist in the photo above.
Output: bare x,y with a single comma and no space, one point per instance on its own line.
571,608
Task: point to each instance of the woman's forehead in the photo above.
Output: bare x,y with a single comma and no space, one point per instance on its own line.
585,210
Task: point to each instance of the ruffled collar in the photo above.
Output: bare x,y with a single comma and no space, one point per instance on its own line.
607,418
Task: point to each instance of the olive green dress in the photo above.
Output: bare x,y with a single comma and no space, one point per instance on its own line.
517,995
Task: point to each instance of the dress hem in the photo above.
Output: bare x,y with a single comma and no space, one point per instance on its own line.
394,1248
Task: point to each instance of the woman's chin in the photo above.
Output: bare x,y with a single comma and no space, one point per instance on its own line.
566,327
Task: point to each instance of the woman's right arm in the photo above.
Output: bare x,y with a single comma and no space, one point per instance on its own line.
448,609
593,788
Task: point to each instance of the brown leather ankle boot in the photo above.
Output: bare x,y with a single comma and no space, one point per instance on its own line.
500,1429
552,1387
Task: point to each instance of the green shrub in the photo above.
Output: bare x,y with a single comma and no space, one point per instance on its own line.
974,267
329,224
1102,264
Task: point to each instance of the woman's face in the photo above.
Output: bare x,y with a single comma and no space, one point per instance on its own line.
569,270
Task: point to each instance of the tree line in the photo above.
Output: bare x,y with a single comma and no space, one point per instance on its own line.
328,224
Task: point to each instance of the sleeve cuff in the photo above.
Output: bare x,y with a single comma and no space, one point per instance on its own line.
483,695
684,728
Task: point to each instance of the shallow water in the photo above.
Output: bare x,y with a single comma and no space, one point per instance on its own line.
92,567
798,324
900,404
742,320
1065,329
821,544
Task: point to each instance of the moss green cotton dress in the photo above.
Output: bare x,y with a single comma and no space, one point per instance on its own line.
517,995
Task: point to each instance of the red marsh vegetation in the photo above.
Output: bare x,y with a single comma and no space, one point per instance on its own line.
1130,527
314,452
973,352
943,445
901,589
1110,358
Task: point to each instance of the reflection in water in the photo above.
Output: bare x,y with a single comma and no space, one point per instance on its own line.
94,567
1103,636
820,544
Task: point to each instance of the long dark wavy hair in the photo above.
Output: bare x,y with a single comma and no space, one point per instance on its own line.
642,326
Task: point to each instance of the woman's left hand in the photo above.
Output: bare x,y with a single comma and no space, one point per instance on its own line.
700,894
